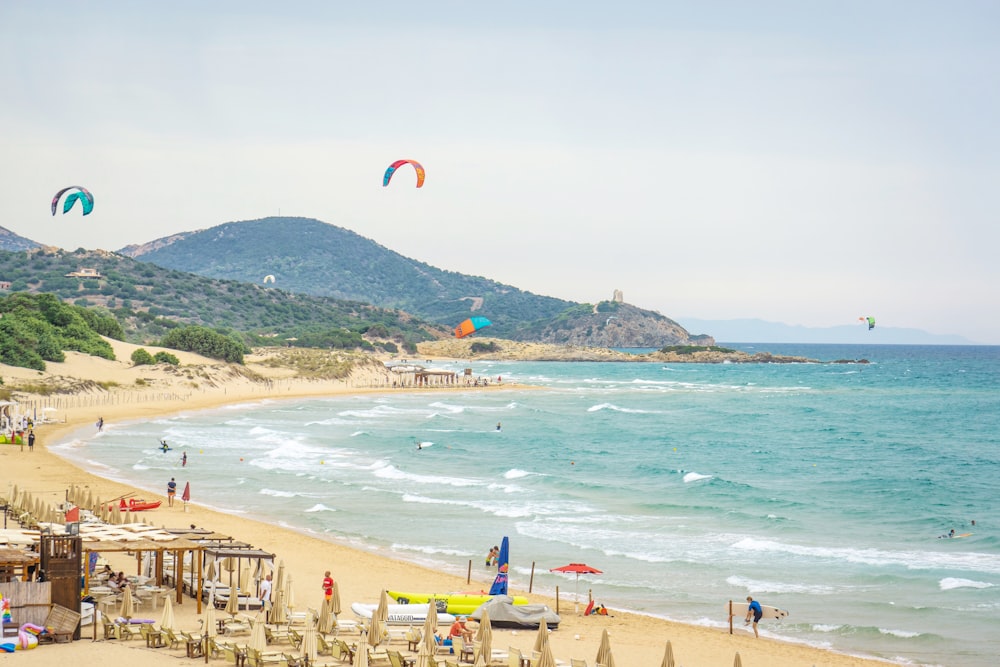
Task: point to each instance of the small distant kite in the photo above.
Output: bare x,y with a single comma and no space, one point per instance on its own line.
870,320
399,163
83,196
471,325
268,279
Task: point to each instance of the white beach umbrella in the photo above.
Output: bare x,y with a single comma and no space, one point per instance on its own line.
361,654
380,619
233,604
737,661
335,599
258,639
309,649
604,656
430,628
127,609
545,659
167,619
423,656
485,637
289,592
325,624
278,616
211,626
542,638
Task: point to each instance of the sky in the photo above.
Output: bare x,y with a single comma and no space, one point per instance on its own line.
798,162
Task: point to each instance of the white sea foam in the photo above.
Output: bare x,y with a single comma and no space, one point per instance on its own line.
277,494
612,406
392,472
820,627
515,473
949,583
695,477
762,586
905,634
320,507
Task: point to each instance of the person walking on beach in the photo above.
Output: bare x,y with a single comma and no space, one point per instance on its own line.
100,423
265,591
755,611
31,441
327,585
171,491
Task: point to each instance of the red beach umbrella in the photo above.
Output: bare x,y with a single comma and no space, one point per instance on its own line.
578,569
186,496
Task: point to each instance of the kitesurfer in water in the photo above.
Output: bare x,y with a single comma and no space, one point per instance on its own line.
498,426
164,446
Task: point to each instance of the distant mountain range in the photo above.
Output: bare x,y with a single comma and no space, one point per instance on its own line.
760,331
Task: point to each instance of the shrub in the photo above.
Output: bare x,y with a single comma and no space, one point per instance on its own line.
142,358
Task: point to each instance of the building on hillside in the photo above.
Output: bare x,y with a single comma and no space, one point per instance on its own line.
85,273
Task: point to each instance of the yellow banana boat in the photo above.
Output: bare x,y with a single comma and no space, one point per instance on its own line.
459,604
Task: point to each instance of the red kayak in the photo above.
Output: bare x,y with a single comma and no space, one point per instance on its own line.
136,505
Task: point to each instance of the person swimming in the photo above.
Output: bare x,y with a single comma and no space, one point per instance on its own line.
164,446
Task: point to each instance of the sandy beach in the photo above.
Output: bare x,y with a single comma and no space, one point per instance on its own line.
200,383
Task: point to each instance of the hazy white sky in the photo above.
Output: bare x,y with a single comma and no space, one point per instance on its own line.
801,162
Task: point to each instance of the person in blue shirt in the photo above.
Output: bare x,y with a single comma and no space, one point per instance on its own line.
755,611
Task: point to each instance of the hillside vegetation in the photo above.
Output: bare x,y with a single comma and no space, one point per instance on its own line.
149,301
312,257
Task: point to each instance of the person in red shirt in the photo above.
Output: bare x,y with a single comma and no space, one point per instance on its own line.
327,585
458,629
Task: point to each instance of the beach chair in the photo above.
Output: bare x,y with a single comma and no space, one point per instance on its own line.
257,659
126,631
294,638
323,645
396,659
345,650
413,637
513,657
274,635
110,632
463,652
154,638
576,662
173,641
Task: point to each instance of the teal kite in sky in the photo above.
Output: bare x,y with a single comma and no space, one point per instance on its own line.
83,196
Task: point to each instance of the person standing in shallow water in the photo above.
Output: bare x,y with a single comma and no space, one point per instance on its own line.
755,611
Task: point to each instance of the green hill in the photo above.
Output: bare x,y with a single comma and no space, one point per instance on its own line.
149,301
313,257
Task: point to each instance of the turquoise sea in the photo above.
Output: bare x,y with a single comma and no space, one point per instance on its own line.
819,488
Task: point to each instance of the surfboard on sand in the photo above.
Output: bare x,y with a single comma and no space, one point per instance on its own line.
772,613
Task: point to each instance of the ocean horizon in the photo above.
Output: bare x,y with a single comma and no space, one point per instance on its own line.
820,488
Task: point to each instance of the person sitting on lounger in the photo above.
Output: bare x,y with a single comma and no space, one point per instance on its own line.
459,629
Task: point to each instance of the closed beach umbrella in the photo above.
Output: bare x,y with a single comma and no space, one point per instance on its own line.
127,609
737,661
186,496
325,623
485,637
211,627
167,619
278,615
430,628
258,640
245,579
335,599
545,659
211,573
542,638
668,656
578,569
380,619
279,579
361,653
423,656
604,650
289,592
309,650
233,604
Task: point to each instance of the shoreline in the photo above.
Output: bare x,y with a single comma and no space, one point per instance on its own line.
636,639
